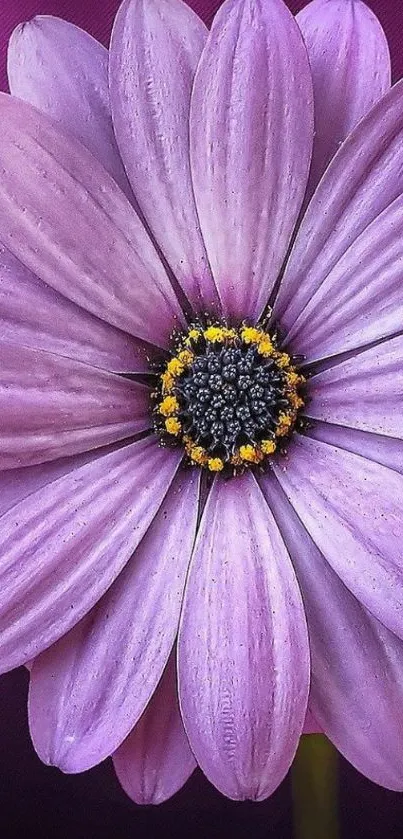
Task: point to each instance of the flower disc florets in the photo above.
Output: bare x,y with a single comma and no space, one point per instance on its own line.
228,396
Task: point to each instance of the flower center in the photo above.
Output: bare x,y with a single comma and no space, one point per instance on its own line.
229,396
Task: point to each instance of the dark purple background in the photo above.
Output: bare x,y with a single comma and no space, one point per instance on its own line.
96,16
36,801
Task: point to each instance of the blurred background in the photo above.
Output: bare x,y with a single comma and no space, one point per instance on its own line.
38,801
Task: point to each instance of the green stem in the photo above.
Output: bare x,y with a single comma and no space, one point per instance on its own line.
315,789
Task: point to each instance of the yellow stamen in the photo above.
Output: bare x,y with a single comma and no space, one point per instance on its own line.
168,406
292,378
193,335
168,382
173,426
295,401
251,335
175,367
215,464
236,460
185,357
284,424
265,347
268,446
283,359
197,454
250,454
218,334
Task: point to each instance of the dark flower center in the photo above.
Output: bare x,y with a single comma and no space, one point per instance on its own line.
228,396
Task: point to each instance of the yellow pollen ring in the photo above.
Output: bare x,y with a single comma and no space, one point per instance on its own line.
268,446
197,454
250,454
260,339
218,334
169,406
215,464
192,336
265,347
175,367
167,381
251,335
173,426
186,357
282,359
285,422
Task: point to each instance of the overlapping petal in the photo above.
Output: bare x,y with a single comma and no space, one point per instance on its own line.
243,656
385,450
63,71
16,484
91,687
161,41
52,406
360,300
350,65
356,689
365,391
364,179
251,130
66,219
155,760
351,508
63,545
35,315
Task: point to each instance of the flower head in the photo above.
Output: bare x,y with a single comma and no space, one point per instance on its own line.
201,391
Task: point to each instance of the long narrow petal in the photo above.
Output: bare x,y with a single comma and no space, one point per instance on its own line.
350,64
243,656
155,760
356,664
37,316
360,300
64,545
51,406
16,484
363,392
251,135
63,71
385,450
363,179
351,508
113,660
161,41
66,219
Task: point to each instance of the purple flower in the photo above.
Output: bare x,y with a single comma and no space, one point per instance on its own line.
150,321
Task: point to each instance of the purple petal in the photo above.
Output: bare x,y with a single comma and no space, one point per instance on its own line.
64,545
351,508
243,656
360,300
251,135
155,760
63,71
113,660
52,407
356,664
384,450
310,724
161,41
350,64
364,178
65,218
363,392
16,484
34,315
